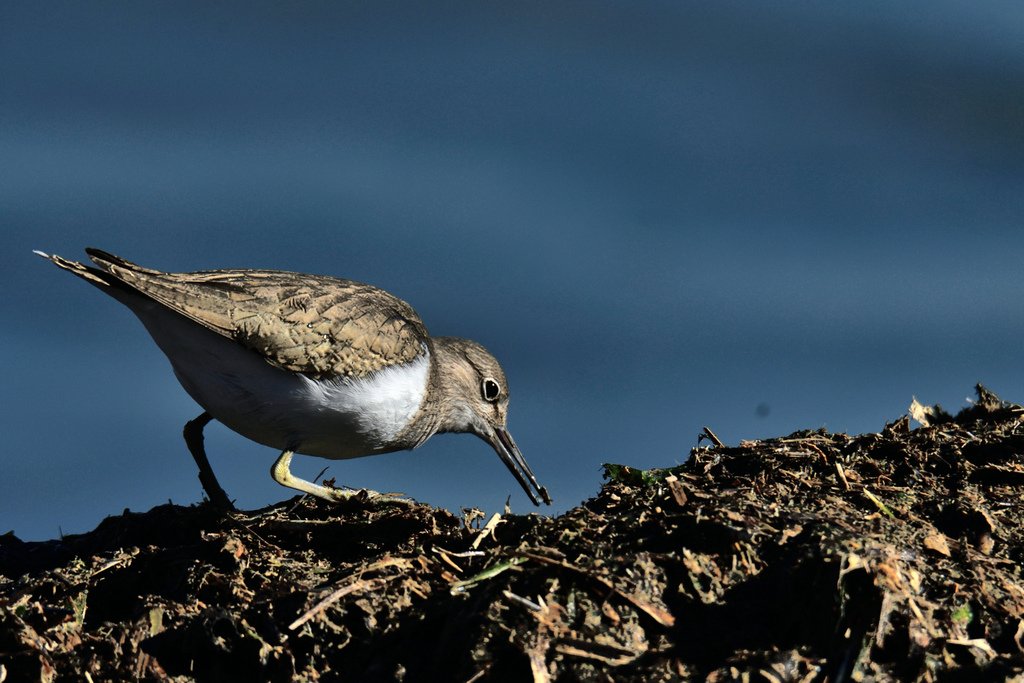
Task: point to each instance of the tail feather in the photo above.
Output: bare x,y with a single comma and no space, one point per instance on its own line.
92,275
107,261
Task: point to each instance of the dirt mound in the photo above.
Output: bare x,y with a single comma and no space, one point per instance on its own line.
889,556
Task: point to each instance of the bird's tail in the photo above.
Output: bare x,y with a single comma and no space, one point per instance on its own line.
109,262
91,275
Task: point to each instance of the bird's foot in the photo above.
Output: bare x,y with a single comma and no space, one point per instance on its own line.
282,474
366,495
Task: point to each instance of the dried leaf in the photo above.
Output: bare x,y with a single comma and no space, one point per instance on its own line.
937,542
677,489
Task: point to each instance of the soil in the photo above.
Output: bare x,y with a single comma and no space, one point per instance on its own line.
816,556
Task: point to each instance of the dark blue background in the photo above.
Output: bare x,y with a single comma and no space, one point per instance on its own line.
658,215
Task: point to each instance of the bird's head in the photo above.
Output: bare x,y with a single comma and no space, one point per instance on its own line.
474,395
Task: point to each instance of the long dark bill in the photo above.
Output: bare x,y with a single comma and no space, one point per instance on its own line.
516,463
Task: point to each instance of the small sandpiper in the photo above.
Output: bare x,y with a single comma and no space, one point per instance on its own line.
311,364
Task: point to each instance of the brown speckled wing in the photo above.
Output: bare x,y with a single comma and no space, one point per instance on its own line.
313,324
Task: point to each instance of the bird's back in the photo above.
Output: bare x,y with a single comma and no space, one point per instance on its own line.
313,324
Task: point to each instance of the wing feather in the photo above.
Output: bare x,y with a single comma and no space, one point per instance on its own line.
313,324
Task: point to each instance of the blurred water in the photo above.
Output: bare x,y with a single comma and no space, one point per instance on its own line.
657,215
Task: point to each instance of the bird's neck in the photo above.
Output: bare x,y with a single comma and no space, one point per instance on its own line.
441,409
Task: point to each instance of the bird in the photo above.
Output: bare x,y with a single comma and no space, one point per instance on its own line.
311,364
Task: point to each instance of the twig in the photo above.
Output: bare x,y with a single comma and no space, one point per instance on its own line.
924,622
464,553
359,584
356,585
842,475
677,490
529,604
489,573
450,561
824,458
492,523
979,643
589,650
659,615
881,506
249,530
706,433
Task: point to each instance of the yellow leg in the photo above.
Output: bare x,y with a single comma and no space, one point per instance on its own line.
282,474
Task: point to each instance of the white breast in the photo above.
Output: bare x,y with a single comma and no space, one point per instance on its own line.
379,406
331,418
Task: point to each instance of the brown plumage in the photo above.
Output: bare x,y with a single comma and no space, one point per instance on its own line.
311,364
313,324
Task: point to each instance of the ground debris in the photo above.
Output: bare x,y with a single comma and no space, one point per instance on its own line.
816,556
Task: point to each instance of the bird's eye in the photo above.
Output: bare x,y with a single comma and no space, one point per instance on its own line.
491,389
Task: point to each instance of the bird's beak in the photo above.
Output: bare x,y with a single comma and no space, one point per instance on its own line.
513,458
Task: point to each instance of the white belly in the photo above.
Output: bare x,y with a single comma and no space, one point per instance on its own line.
334,418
